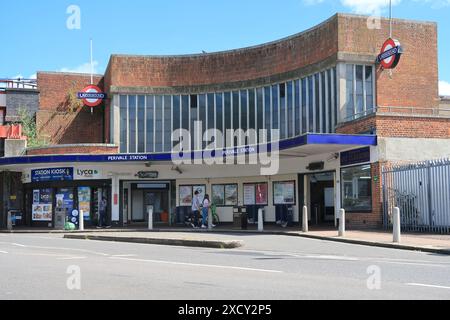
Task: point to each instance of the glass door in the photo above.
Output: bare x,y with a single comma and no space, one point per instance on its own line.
159,200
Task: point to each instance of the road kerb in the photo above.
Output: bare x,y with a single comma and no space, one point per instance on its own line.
216,244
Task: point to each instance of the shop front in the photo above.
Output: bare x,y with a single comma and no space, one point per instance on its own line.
52,193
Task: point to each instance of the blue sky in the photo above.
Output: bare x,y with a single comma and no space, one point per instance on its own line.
35,35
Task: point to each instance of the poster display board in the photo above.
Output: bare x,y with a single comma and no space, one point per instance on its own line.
84,202
218,195
185,196
284,193
231,195
249,195
255,194
42,208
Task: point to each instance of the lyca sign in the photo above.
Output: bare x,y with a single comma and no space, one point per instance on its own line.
87,173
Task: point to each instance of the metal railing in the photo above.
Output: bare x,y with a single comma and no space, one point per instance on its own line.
18,84
402,111
422,193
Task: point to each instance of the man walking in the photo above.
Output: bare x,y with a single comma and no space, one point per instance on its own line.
195,210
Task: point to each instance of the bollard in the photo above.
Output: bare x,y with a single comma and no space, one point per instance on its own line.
150,217
342,223
397,226
305,219
210,220
81,223
260,220
9,221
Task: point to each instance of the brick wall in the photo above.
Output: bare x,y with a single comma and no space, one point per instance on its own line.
414,83
56,121
67,149
400,127
20,98
301,50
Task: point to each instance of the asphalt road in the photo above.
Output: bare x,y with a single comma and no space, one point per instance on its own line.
267,267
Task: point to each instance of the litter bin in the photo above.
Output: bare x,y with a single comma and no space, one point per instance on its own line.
244,218
240,218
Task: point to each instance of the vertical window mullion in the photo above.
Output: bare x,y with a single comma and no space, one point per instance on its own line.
355,102
145,124
327,106
364,90
128,126
307,105
321,102
300,88
154,123
332,104
137,123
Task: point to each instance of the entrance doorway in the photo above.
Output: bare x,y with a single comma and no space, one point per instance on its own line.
320,196
139,197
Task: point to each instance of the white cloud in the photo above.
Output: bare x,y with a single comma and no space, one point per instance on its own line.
84,68
444,88
368,6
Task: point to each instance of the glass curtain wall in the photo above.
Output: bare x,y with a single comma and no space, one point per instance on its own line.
296,107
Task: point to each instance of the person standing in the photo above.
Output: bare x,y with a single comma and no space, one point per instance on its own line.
195,210
205,211
102,213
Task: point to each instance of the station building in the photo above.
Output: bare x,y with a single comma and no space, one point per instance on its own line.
341,117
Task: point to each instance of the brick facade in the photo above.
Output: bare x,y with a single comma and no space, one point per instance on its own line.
400,126
57,122
73,149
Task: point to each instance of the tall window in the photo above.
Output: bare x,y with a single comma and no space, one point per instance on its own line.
295,107
359,91
158,123
290,110
275,108
283,111
176,115
132,119
268,111
150,124
141,124
298,104
251,109
357,189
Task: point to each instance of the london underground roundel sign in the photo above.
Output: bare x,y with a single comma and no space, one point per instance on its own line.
92,96
390,55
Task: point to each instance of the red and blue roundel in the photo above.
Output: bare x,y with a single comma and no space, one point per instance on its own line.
92,96
390,55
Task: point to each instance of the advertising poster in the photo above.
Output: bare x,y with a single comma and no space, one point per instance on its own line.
218,195
185,196
261,194
284,193
84,202
42,208
201,192
249,194
42,212
64,199
231,195
36,197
